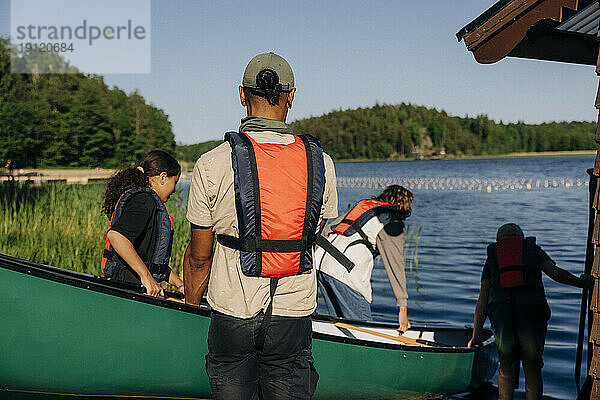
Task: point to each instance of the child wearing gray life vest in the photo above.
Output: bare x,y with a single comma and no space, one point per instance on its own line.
512,296
140,234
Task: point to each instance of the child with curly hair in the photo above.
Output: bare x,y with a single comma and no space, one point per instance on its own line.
140,234
373,227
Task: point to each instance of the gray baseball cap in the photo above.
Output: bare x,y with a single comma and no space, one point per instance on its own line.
273,62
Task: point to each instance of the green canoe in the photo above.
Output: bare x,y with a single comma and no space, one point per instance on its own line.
64,332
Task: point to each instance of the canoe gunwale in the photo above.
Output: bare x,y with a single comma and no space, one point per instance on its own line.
389,346
94,283
399,346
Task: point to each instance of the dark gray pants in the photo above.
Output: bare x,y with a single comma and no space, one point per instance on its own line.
284,369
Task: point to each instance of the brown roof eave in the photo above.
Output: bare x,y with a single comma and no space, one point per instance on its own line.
497,32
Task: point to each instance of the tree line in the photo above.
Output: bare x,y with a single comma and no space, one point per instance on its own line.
401,131
74,120
406,130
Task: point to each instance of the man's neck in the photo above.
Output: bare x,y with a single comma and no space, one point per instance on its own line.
275,114
253,123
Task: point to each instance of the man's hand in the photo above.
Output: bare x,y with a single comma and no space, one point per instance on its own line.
176,281
181,289
587,280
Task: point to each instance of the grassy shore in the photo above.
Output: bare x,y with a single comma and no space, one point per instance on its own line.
61,225
537,154
469,157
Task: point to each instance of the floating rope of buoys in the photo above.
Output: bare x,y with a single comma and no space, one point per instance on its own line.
482,184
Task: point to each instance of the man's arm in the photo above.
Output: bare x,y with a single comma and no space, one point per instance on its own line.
322,226
197,262
480,313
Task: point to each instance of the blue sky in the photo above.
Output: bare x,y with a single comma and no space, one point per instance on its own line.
345,54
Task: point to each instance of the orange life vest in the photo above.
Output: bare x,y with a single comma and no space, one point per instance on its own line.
278,198
362,212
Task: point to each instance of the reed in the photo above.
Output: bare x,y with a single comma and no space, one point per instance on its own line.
412,235
61,225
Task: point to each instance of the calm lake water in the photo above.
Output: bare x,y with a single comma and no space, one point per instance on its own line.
457,225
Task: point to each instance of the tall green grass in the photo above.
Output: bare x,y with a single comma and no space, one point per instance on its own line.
61,225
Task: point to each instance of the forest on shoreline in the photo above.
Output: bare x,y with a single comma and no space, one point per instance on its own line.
407,131
74,120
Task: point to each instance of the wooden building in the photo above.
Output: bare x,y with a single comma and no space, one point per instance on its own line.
564,31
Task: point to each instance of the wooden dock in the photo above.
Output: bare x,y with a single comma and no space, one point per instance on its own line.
71,176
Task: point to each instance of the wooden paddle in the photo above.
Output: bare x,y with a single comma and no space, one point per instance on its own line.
175,299
174,296
401,339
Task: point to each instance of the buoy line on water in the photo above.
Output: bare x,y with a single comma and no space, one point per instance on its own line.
480,184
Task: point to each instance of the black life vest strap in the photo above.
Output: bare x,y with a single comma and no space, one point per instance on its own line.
513,268
335,253
258,244
255,194
306,239
284,246
365,239
264,325
109,254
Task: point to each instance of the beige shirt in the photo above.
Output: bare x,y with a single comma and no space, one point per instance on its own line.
212,203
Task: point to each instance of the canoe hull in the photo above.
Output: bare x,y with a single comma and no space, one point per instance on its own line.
75,340
381,373
61,334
